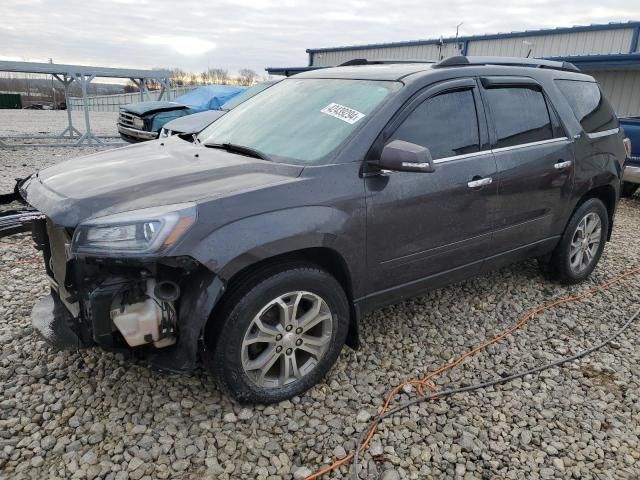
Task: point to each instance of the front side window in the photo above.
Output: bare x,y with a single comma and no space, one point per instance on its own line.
520,115
589,105
300,121
446,124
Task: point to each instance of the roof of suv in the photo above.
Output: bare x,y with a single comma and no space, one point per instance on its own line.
391,70
386,71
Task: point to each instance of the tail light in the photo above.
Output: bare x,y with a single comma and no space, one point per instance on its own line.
627,147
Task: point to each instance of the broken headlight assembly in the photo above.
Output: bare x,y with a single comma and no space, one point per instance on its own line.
137,232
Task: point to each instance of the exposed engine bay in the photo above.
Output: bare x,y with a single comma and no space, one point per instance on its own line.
128,304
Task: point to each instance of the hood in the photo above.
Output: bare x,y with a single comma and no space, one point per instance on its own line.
194,123
143,108
146,175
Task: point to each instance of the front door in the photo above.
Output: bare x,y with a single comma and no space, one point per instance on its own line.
423,228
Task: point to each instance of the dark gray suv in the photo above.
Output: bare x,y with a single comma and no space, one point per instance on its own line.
257,249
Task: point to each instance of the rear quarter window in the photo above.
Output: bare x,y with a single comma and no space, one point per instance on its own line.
590,107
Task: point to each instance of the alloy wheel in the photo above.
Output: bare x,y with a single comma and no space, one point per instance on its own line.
287,339
585,243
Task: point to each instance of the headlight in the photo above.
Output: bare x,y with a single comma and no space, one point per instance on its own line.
137,232
138,123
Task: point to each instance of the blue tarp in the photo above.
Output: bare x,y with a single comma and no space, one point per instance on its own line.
209,97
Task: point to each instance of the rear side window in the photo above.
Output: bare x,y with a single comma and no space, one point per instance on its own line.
589,105
520,115
446,124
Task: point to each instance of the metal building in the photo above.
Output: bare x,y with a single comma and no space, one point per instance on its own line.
609,52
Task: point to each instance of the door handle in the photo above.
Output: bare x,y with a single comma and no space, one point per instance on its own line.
479,182
560,165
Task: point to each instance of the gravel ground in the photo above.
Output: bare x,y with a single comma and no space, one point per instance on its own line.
94,415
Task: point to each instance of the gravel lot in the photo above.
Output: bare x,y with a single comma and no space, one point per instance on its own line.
94,415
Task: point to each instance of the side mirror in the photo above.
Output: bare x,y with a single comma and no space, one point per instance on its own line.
403,156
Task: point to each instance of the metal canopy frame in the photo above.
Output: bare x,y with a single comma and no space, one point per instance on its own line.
83,75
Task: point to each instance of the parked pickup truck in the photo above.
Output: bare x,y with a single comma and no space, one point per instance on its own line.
631,178
142,121
190,125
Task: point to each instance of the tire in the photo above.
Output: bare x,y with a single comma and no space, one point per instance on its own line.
563,265
628,189
234,348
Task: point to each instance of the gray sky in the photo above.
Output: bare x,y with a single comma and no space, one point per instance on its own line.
194,35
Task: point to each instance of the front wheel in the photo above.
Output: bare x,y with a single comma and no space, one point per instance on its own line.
581,245
277,333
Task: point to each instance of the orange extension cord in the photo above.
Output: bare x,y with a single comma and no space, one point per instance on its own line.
425,382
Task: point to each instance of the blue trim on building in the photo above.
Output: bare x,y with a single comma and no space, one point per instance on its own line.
634,40
495,36
602,62
584,62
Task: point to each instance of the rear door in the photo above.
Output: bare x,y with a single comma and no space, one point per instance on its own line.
426,226
535,159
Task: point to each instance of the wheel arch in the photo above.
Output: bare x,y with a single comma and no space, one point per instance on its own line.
325,258
608,195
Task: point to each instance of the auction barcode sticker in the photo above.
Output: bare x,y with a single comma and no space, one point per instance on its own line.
343,113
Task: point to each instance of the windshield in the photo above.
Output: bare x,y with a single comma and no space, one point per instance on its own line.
299,121
246,95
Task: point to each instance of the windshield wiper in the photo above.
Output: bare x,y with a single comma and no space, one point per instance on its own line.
241,149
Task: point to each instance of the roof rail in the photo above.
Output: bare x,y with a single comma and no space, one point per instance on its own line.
365,61
461,61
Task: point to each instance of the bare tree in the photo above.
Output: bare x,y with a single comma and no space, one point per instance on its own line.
247,77
218,75
178,76
205,78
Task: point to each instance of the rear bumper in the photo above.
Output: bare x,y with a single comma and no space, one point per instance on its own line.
134,135
631,174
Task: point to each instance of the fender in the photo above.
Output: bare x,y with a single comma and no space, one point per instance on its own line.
242,243
607,175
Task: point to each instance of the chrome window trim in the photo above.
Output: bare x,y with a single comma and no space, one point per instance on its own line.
462,157
604,133
531,144
498,150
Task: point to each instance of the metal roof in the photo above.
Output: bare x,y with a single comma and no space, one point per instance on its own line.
526,33
60,69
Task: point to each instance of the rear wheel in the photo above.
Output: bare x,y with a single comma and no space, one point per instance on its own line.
281,331
581,245
628,189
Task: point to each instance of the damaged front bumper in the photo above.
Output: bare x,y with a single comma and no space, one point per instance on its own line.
20,217
51,319
119,304
18,220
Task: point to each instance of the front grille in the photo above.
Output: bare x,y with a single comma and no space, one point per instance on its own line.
126,119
